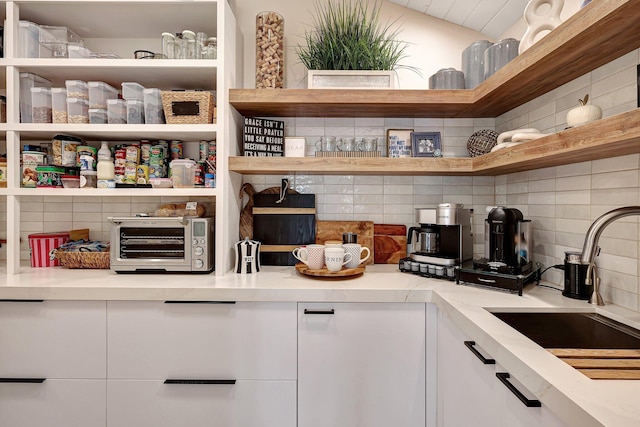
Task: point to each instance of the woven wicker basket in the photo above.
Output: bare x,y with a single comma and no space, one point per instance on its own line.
77,259
482,142
188,107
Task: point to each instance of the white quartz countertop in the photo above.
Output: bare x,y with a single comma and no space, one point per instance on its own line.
577,399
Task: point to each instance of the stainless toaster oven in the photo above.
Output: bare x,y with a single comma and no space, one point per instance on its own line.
151,244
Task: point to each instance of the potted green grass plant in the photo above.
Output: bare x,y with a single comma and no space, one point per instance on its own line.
349,47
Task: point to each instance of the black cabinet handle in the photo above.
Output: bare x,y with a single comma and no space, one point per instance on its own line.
23,380
471,346
20,300
182,381
198,302
529,403
328,311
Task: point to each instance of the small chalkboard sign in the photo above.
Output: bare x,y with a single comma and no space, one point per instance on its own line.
263,137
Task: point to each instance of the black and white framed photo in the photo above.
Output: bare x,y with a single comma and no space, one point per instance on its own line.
426,144
399,142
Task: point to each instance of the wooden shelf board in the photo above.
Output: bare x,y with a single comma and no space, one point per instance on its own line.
350,166
595,35
613,136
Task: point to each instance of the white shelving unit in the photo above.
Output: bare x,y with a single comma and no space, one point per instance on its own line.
121,27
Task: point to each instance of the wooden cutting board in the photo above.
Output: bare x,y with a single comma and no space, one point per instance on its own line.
332,230
390,242
605,364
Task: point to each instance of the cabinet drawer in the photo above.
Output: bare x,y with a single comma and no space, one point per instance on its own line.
53,339
53,403
243,404
156,340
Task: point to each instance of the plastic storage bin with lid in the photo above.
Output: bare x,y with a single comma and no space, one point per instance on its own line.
77,89
42,244
98,116
132,90
77,110
116,112
135,111
183,172
54,41
99,92
59,104
153,111
77,51
27,81
41,105
28,39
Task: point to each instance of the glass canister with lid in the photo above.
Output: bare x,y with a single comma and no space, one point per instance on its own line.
269,50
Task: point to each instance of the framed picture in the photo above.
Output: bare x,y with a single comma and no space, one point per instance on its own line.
426,144
399,142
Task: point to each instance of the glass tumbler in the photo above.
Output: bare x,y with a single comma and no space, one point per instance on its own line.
269,50
169,45
189,43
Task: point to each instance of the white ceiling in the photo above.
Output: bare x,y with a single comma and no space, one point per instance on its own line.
490,17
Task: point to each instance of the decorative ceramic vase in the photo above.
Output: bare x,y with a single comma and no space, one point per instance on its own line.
473,63
447,78
499,55
541,16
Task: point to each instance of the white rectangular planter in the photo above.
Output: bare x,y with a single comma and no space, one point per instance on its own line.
350,79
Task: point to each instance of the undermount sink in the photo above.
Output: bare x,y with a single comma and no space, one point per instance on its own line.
572,330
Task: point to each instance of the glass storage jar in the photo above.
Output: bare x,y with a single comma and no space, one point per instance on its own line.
269,50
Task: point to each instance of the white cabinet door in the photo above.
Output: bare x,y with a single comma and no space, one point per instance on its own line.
514,412
158,341
471,394
53,339
243,404
467,387
361,365
53,403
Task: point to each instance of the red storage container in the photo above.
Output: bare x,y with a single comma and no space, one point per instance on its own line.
41,245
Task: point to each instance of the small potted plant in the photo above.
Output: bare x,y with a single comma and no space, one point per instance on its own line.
349,42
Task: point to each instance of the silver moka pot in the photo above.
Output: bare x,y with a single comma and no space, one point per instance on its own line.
247,256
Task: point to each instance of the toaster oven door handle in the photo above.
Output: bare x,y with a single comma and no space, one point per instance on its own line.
119,219
198,302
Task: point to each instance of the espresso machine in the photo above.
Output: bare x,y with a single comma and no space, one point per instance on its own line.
506,263
442,241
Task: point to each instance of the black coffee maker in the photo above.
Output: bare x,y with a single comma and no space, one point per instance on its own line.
507,240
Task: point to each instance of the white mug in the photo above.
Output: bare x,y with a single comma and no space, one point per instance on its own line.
311,255
335,258
356,250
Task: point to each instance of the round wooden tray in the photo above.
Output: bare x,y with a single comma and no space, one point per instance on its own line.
324,273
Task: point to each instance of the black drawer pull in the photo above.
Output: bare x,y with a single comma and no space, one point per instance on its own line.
529,403
471,346
23,380
181,381
329,311
198,302
20,300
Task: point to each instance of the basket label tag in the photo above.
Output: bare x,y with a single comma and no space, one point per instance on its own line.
185,108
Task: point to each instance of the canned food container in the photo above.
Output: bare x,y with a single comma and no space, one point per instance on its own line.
49,176
182,173
3,173
41,246
86,157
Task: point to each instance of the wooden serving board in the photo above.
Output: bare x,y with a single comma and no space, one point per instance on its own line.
323,272
390,243
332,230
602,364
